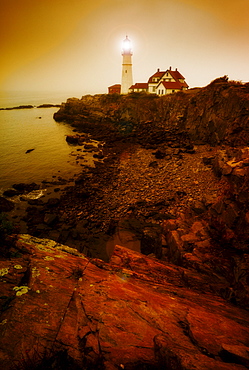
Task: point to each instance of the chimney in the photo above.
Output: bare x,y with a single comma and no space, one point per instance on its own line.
170,68
176,69
158,69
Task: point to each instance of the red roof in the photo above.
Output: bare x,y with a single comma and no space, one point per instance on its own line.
140,85
176,75
115,86
158,74
173,85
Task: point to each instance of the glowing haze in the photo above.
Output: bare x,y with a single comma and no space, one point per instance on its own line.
76,45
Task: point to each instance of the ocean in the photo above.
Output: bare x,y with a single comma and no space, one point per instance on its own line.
35,128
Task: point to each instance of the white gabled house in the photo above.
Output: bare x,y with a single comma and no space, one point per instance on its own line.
154,81
166,82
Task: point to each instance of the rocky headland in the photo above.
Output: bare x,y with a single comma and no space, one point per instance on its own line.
142,262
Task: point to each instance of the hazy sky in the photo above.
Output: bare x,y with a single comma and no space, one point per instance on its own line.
76,45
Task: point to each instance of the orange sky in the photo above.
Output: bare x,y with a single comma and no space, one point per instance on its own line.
76,45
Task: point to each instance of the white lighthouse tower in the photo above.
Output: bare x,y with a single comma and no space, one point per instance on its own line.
127,79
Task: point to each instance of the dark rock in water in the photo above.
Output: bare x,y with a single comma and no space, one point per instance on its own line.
49,106
76,139
11,193
29,150
22,187
32,186
72,139
6,205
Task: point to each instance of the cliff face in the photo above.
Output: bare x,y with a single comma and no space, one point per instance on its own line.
215,114
62,310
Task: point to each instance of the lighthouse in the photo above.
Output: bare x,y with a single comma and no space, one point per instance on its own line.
127,79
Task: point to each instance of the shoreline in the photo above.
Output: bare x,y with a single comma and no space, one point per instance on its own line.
129,183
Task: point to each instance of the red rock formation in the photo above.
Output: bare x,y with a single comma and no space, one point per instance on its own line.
216,242
132,313
215,114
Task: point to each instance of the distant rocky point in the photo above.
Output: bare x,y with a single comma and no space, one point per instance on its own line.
19,107
49,106
32,106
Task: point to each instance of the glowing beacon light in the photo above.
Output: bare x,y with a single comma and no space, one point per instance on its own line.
127,80
127,46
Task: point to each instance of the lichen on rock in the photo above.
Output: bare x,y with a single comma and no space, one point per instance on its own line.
4,271
20,290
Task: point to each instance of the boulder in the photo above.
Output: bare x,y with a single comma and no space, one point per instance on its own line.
23,187
6,205
76,139
52,202
11,193
58,306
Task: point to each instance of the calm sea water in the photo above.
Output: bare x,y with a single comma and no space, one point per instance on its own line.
21,130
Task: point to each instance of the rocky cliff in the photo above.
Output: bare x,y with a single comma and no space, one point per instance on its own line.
215,114
61,310
173,184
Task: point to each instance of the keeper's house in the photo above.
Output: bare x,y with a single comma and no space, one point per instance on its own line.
162,83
